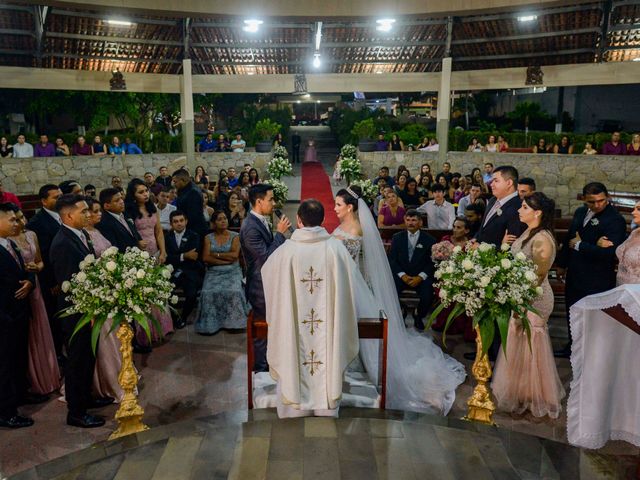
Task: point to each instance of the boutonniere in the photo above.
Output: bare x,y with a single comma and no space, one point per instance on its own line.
595,222
499,211
184,239
419,245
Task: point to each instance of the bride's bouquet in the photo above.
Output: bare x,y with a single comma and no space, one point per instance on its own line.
487,284
122,287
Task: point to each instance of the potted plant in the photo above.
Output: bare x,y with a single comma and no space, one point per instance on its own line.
265,130
365,131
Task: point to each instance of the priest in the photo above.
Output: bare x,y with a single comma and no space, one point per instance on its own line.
311,312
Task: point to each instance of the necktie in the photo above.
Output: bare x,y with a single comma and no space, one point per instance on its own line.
12,252
493,210
587,217
411,246
124,223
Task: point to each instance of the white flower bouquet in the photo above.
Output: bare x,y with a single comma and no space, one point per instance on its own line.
489,285
369,190
350,169
280,190
119,286
348,151
280,151
279,167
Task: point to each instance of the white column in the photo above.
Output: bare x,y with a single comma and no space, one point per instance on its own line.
186,111
444,109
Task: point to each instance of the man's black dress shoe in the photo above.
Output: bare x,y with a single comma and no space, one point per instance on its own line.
15,421
84,421
101,402
33,399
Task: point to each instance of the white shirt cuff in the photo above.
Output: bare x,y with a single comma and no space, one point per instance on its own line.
576,247
423,276
182,257
401,274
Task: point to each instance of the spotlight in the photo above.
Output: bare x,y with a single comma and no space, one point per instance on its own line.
316,60
385,24
252,25
120,23
527,18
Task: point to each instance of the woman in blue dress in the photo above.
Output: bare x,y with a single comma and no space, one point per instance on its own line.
222,301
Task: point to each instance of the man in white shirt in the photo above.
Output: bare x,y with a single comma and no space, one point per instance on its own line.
165,208
474,195
440,213
22,149
238,144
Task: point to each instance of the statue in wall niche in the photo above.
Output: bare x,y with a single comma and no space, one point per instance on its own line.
300,84
534,75
117,80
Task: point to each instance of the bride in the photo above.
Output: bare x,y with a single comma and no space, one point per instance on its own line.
420,377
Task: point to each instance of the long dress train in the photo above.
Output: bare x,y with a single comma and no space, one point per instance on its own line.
527,378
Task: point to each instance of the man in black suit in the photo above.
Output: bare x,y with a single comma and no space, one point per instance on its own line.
411,264
183,250
295,147
190,202
501,219
45,224
258,242
114,226
15,286
590,267
70,246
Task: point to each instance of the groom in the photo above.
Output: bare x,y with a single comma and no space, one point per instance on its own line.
311,312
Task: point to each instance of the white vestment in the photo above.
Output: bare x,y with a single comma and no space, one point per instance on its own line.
313,326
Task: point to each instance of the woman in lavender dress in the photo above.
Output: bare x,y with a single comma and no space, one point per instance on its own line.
143,212
108,361
44,374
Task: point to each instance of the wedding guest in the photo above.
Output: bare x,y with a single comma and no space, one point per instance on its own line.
382,185
120,231
231,177
108,359
634,147
491,146
401,184
16,284
90,191
474,214
503,146
433,146
410,195
453,186
589,149
487,176
207,144
278,140
183,253
116,148
411,264
207,210
460,232
612,147
254,177
296,140
189,201
44,148
164,208
474,146
526,186
164,178
140,209
461,190
223,145
200,175
396,144
81,147
446,172
6,150
540,147
391,214
222,197
151,183
44,374
382,145
425,189
131,148
440,213
222,303
238,144
22,149
565,147
526,378
70,186
69,247
116,182
384,173
628,253
423,144
590,268
425,172
235,211
98,148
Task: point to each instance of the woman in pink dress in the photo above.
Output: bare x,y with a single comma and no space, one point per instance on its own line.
527,378
44,374
310,152
108,361
628,253
140,208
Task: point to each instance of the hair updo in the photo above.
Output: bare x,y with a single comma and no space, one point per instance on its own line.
348,198
540,202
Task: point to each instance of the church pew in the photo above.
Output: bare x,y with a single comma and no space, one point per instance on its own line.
367,328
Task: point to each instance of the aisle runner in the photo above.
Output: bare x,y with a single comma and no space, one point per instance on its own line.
316,184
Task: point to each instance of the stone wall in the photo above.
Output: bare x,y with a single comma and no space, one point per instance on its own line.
24,176
559,176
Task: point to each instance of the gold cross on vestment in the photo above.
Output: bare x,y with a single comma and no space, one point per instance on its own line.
312,280
312,320
312,362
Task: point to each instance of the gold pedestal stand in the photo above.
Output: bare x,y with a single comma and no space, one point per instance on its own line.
481,405
129,415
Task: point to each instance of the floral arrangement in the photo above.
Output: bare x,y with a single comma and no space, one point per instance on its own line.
441,251
280,190
487,284
369,190
118,286
350,169
279,167
348,151
280,151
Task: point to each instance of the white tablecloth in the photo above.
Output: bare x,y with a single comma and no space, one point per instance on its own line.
604,402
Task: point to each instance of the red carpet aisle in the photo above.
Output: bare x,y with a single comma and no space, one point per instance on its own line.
316,184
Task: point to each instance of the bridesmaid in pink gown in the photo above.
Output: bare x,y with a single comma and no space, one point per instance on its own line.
145,215
310,152
44,374
108,361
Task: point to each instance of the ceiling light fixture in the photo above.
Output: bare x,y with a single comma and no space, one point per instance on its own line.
316,60
527,18
385,24
318,35
120,23
252,25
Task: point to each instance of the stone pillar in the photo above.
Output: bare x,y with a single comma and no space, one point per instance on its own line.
186,111
444,109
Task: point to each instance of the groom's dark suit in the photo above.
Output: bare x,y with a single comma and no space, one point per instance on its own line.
117,234
14,332
257,244
420,262
67,251
591,269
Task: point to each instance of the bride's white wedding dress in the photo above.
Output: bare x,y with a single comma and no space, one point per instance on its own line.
420,377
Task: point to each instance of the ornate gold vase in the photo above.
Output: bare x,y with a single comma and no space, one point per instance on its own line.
481,405
129,415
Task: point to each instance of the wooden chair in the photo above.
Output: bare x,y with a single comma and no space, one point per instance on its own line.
367,328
